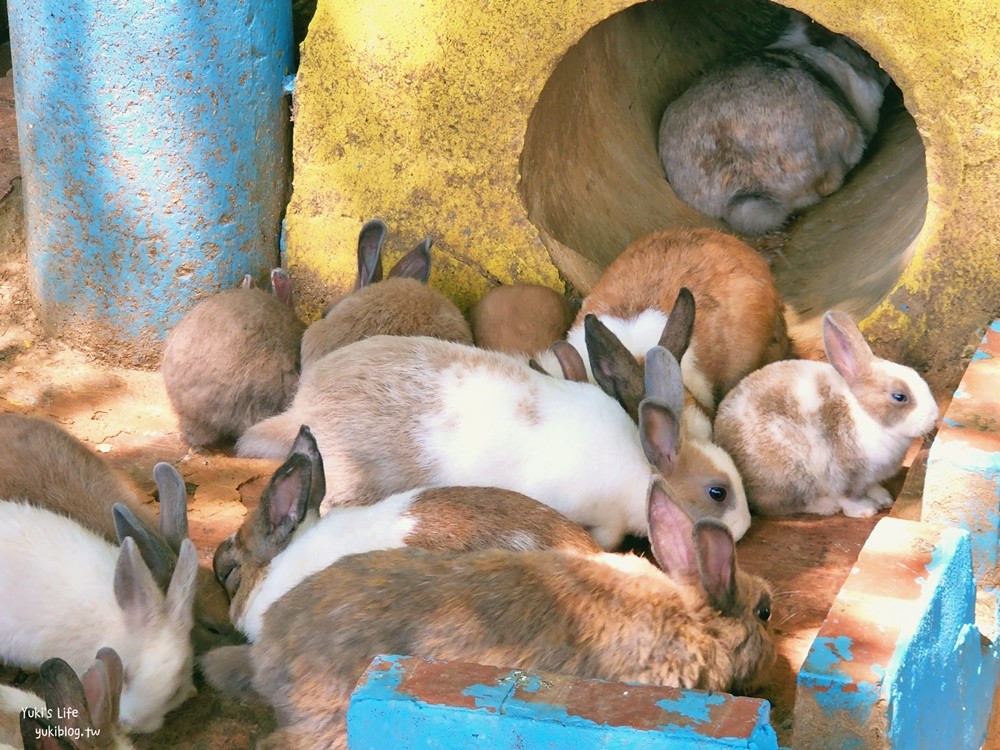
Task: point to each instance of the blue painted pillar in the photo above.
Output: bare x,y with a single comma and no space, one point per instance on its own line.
154,155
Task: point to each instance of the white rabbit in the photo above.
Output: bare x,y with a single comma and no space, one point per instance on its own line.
67,592
813,437
394,413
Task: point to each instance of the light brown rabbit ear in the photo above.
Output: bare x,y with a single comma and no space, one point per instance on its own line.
570,361
102,684
173,504
61,689
670,529
660,434
247,282
305,443
281,286
416,264
846,348
716,553
38,734
676,334
159,557
615,369
283,504
370,253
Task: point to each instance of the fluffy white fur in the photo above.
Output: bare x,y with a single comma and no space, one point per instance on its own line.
342,531
59,599
582,457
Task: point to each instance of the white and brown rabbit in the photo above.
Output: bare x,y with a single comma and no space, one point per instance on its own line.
401,305
394,413
818,437
233,360
740,325
280,542
45,465
67,592
701,624
77,713
520,318
767,135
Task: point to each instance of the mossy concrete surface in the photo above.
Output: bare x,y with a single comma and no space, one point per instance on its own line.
422,114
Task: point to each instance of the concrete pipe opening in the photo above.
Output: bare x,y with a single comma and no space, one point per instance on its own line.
592,181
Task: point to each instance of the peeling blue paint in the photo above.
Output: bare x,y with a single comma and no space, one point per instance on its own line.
153,152
381,716
695,708
980,355
994,326
951,422
826,653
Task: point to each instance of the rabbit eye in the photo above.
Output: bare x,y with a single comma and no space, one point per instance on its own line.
717,493
763,610
900,398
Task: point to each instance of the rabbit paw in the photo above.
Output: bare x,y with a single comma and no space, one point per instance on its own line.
879,495
861,507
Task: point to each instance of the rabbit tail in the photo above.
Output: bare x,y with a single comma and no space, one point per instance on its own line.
755,213
270,438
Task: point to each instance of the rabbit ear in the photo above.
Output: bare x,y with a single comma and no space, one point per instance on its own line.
157,554
370,253
660,435
305,443
247,282
416,264
135,589
62,689
615,369
570,361
281,286
173,504
676,334
846,348
102,684
716,563
283,504
670,530
533,364
663,380
180,595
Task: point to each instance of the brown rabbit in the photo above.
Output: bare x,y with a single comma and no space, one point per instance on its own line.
740,324
232,361
702,624
766,135
520,318
83,710
50,468
274,550
401,305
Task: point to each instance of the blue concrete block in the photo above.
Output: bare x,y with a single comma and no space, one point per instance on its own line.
406,703
154,155
899,662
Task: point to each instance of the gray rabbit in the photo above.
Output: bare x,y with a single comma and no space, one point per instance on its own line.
232,361
757,139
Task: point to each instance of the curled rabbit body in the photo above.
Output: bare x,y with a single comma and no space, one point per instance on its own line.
760,138
281,542
740,325
818,437
520,318
400,305
233,360
68,592
46,466
394,413
82,712
701,624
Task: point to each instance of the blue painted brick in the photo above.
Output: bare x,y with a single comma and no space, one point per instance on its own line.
405,703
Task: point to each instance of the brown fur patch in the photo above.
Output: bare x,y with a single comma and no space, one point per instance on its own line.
739,325
875,396
470,518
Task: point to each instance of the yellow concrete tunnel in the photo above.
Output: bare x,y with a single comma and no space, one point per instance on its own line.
522,136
